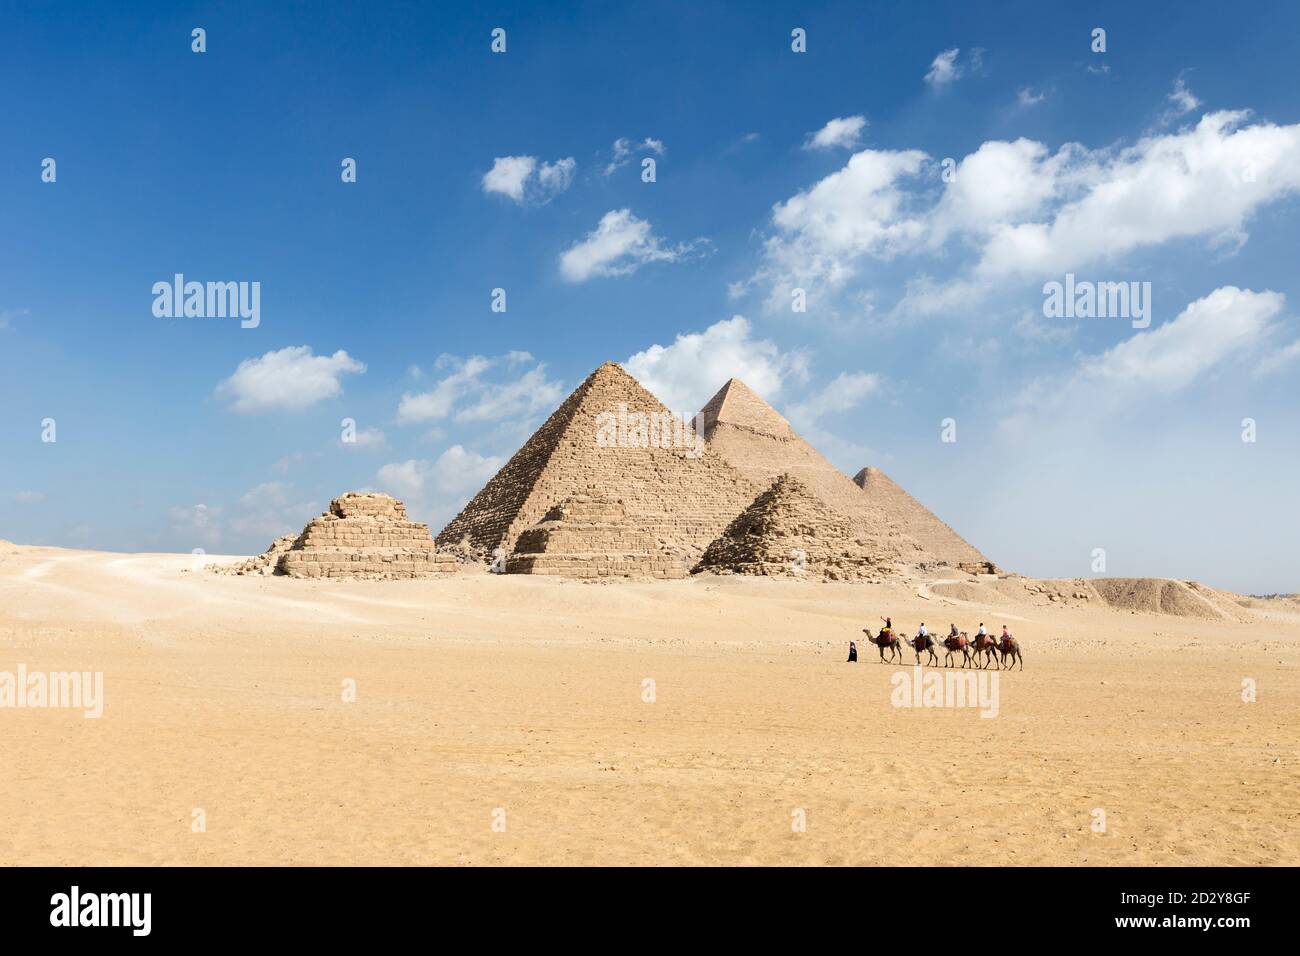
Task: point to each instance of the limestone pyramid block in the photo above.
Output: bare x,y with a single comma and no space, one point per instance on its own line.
590,536
788,531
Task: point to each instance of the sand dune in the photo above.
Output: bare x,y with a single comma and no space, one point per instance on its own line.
477,692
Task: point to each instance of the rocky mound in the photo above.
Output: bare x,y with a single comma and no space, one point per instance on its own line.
789,532
266,563
1160,596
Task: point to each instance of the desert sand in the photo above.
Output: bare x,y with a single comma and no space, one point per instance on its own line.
477,693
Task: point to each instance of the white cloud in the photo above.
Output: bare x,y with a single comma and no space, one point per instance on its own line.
454,472
619,245
1028,97
198,523
439,401
524,180
856,211
845,392
1182,99
270,510
291,378
1203,181
508,175
841,132
1227,324
367,438
624,149
29,497
8,315
1211,329
687,373
1280,359
524,395
944,69
532,392
556,177
1026,212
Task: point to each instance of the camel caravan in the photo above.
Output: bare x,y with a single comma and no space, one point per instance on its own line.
980,651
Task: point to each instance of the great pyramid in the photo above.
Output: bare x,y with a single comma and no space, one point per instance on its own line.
753,436
363,535
789,531
613,437
934,537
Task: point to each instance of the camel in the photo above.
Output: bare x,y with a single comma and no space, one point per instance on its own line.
955,644
886,640
985,649
925,643
1010,647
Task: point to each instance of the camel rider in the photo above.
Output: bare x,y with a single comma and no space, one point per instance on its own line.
922,632
1006,635
982,633
952,630
889,627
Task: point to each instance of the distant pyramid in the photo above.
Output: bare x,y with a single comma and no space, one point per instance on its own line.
761,445
754,437
788,531
934,537
613,438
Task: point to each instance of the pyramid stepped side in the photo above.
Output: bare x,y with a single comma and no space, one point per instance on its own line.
365,536
788,531
682,496
485,523
760,444
934,537
589,536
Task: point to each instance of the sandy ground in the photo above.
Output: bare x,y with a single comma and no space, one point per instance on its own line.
484,698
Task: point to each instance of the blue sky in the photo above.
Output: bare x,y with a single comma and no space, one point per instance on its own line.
1171,158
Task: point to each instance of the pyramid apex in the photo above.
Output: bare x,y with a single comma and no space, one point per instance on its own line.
870,474
738,404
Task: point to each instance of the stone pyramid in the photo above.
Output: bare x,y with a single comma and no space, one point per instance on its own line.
788,531
754,437
934,537
760,444
590,536
365,535
613,436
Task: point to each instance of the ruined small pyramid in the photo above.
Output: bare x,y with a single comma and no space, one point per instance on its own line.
364,535
590,536
613,436
934,537
788,531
